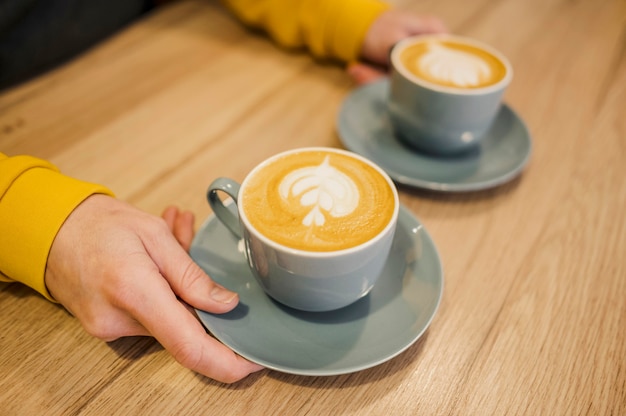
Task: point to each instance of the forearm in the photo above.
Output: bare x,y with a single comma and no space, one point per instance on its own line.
35,200
328,28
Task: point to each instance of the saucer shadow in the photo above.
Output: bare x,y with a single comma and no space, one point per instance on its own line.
376,127
353,312
239,312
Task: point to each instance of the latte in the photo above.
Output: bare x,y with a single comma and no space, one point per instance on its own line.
452,63
318,200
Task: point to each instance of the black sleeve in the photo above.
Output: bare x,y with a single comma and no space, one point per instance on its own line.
36,35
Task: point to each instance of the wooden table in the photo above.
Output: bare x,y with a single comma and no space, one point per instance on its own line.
533,316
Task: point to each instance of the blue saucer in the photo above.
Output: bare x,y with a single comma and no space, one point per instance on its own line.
369,332
364,128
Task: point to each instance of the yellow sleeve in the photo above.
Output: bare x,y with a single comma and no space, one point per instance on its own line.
35,200
329,28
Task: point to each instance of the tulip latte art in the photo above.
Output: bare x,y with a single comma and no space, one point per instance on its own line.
450,63
323,188
318,201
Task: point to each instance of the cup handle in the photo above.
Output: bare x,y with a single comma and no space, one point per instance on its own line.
229,218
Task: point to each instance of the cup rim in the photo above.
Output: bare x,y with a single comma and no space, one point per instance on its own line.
404,43
309,253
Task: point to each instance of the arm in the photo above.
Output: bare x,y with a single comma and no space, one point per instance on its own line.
120,271
328,28
359,32
35,200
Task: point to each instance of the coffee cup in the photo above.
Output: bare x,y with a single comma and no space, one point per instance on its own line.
317,225
445,91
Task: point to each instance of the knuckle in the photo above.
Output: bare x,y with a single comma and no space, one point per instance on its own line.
190,277
189,355
101,328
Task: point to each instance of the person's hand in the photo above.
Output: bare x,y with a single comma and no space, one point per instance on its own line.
121,272
389,28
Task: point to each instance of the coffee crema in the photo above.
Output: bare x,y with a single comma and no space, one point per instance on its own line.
450,63
318,201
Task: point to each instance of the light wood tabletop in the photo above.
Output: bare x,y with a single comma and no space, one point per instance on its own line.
533,315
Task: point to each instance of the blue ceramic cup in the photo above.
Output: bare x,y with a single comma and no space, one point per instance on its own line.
445,91
317,225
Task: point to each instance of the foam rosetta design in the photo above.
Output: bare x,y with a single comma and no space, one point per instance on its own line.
454,67
323,188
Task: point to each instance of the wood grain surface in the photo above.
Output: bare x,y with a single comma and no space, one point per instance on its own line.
533,316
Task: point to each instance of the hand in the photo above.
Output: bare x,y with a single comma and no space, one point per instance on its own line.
389,28
120,271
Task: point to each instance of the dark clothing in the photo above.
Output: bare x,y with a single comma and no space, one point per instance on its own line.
36,35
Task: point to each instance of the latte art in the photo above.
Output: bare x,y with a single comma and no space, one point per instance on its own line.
318,200
458,68
450,63
325,189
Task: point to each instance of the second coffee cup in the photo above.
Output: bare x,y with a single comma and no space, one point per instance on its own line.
445,91
317,225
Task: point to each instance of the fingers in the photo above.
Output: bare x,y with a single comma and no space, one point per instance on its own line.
388,29
162,272
185,277
178,330
187,341
393,26
184,231
180,224
425,24
169,215
364,74
184,337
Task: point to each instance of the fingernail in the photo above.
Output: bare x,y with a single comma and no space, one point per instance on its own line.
222,295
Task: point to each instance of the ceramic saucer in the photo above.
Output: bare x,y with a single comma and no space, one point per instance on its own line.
364,128
371,331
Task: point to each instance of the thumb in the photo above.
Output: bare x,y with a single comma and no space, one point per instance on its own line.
188,280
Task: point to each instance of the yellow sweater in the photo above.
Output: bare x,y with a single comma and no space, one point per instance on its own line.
35,198
329,28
